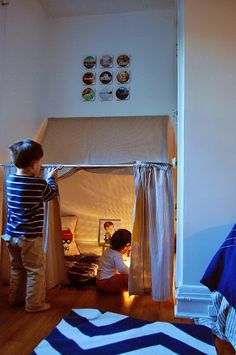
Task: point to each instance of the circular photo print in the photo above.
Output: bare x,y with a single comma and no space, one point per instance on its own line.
122,93
123,77
106,94
106,61
88,94
123,60
90,62
89,78
105,77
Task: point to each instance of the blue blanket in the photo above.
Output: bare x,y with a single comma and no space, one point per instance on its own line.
90,331
220,275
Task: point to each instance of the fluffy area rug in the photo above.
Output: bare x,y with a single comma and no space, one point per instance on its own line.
90,331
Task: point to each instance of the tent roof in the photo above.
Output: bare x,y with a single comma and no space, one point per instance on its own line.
107,140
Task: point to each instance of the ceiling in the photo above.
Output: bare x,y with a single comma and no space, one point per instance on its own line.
67,8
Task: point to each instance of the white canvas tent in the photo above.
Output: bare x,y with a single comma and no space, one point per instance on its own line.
98,140
110,192
108,140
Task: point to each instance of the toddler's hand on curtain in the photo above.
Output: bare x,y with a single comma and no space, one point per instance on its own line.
53,173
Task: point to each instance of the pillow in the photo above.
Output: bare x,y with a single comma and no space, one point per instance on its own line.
68,235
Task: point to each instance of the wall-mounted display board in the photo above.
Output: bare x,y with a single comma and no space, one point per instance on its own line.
106,77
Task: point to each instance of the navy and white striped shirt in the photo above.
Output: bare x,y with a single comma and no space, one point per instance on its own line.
25,197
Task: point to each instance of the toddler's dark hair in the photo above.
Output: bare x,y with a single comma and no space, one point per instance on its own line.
108,224
24,152
120,238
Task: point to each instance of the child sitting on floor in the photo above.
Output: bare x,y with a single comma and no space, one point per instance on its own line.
112,276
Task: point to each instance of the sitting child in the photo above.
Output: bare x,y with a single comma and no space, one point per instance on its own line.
112,276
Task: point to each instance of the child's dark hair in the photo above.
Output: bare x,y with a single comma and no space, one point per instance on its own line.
108,224
24,152
120,238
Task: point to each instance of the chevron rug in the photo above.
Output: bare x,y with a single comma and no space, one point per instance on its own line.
90,331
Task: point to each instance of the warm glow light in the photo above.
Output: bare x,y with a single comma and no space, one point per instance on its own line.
128,300
127,262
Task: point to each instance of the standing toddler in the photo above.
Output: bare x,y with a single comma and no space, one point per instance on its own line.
26,193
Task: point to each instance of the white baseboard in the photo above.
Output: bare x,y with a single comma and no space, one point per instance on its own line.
193,301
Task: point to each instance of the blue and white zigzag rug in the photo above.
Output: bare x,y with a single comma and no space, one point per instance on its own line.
89,331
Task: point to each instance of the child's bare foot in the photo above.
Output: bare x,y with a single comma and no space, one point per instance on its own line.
42,308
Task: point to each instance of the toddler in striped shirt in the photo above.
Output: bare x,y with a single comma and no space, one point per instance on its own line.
26,193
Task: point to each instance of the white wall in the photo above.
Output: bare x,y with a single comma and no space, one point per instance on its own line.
207,127
41,79
23,43
149,38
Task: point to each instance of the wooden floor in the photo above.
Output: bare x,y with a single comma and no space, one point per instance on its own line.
20,332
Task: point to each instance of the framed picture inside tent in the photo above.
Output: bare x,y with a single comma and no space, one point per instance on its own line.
107,226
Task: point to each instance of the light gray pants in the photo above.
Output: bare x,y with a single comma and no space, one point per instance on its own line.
27,271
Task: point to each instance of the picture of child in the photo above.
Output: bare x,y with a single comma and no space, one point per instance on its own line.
107,227
109,230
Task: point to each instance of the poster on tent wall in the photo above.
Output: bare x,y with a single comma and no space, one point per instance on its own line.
106,77
107,226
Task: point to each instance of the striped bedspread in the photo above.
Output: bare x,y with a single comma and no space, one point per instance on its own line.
90,331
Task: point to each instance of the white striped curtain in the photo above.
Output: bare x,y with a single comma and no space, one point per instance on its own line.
53,246
151,268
